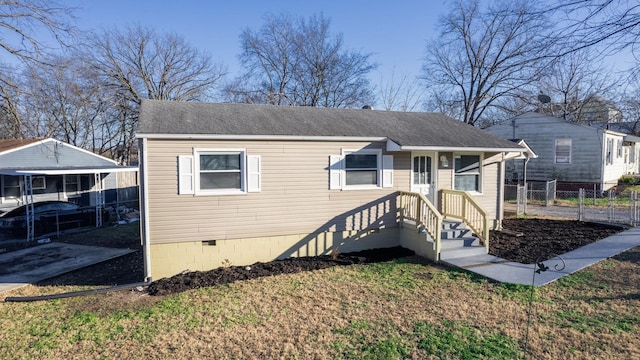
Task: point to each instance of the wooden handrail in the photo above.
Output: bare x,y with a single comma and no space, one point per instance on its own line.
417,208
459,204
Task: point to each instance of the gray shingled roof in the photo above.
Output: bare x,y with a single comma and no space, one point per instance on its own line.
404,128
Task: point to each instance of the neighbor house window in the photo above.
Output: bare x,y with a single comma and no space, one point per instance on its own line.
563,151
38,183
220,171
609,157
467,172
619,143
10,186
71,184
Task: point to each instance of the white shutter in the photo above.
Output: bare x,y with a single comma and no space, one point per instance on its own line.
335,172
387,171
253,173
185,174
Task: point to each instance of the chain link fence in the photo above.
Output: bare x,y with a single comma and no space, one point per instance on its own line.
544,199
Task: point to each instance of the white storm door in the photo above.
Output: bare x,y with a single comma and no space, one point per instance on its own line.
422,179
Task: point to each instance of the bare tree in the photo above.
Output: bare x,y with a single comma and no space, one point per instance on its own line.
65,101
297,61
22,23
575,84
23,26
400,94
138,63
11,119
482,56
615,24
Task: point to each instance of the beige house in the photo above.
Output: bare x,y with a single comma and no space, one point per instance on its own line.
238,183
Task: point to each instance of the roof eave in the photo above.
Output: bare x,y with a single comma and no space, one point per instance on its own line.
459,149
259,137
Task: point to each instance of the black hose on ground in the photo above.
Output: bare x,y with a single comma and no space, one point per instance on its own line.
75,293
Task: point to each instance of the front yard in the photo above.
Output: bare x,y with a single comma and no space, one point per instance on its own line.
388,310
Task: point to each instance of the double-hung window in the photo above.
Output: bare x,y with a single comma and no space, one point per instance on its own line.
467,173
361,169
218,172
563,151
10,186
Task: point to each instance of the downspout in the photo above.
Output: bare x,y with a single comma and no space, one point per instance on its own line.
603,156
500,212
524,182
144,224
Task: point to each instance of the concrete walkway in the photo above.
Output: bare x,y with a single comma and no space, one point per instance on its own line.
505,271
30,265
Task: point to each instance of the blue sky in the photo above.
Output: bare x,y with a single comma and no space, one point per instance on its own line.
395,32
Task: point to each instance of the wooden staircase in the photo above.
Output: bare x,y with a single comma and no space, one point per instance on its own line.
458,241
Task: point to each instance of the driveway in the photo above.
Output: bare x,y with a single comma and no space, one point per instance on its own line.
30,265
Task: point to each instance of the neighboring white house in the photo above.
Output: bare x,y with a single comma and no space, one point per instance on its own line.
575,155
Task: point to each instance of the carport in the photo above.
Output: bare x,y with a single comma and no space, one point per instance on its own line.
35,170
97,191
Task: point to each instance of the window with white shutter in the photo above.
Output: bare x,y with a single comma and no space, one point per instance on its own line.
185,174
219,172
360,169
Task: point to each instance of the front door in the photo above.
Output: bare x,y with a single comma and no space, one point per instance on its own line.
422,179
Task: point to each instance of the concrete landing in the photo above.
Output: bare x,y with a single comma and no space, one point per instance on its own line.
30,265
505,271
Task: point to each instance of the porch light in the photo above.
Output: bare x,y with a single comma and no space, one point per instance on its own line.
443,161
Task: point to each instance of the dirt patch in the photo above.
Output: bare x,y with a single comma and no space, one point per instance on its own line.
529,240
525,241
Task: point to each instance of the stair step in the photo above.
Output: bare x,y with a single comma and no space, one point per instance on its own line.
452,224
468,241
462,252
454,233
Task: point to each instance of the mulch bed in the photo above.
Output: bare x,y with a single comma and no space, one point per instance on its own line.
528,241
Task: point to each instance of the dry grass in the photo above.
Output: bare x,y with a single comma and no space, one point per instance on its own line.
376,311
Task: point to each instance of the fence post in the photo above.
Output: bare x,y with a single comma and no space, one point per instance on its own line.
546,193
580,204
612,201
634,208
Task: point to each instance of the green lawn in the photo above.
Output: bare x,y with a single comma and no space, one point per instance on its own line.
390,310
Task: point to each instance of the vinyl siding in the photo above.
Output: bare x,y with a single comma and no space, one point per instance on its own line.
294,197
51,154
540,133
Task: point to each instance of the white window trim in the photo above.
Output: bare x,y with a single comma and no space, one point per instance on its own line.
379,169
480,172
243,170
44,182
555,151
